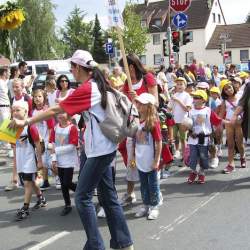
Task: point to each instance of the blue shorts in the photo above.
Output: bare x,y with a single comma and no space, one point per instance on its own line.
198,154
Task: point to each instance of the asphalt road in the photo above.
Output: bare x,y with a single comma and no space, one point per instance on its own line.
213,216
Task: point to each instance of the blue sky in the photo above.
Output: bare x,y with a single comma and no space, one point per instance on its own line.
234,11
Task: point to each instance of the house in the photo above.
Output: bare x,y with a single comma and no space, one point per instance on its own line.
236,38
204,17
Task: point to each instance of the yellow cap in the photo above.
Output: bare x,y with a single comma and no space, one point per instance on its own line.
215,90
200,93
181,79
243,74
223,83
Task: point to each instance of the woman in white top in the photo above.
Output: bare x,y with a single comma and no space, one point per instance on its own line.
170,75
91,99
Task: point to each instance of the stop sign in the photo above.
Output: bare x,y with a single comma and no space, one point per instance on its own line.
180,5
226,55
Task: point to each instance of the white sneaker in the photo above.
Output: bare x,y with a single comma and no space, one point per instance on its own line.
214,162
58,183
177,154
143,211
153,213
12,186
128,199
101,213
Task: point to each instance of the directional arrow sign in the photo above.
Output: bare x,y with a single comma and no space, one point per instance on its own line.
180,20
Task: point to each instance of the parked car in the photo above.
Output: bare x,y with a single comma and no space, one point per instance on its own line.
39,82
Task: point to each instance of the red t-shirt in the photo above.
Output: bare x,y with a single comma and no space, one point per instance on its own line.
34,133
147,82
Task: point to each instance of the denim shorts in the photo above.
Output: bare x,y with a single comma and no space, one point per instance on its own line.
198,154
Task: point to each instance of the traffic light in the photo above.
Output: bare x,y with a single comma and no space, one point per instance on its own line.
222,49
176,41
186,37
165,47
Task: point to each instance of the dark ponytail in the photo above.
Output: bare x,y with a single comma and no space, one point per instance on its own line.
102,84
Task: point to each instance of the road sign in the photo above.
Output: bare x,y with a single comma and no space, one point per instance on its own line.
180,5
226,55
180,20
109,48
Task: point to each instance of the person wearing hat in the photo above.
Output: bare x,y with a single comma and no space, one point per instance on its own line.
237,82
234,133
199,135
148,146
179,105
91,98
214,101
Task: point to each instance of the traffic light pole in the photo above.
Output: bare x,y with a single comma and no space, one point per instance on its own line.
169,34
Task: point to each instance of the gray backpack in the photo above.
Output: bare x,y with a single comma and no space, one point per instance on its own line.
121,118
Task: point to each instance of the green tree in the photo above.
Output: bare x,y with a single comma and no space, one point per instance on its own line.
248,18
36,39
77,34
98,51
135,36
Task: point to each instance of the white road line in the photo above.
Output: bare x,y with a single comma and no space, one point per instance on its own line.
183,217
49,241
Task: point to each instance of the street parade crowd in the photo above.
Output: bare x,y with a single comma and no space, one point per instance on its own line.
181,113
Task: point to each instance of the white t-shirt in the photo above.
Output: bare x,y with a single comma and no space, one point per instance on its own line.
230,109
177,109
87,99
144,147
51,99
4,98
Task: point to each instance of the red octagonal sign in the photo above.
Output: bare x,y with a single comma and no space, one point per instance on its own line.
180,5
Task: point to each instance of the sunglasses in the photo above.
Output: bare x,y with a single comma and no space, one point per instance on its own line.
64,81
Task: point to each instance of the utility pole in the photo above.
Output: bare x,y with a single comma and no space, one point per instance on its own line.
169,34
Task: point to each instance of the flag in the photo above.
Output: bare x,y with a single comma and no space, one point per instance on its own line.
114,15
9,135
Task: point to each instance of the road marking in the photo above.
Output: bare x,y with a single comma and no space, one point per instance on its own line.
184,217
49,241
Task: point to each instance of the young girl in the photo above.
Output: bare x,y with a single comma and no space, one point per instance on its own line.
233,132
148,145
26,158
65,159
50,87
203,118
45,128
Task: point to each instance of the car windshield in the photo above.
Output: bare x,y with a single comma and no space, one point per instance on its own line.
42,77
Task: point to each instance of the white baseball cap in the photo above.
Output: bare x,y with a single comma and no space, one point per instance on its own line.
203,85
146,98
83,58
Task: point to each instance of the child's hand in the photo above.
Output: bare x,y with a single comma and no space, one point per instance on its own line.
155,165
132,94
39,165
54,167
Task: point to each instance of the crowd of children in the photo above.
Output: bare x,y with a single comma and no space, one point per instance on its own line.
193,113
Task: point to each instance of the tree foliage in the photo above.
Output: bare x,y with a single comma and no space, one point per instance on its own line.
77,34
35,39
134,35
98,51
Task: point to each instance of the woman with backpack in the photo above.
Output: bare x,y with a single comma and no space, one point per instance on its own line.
91,99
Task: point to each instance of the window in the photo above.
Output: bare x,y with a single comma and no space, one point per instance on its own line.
191,37
157,59
244,55
214,18
189,57
143,23
157,22
219,20
156,39
143,59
